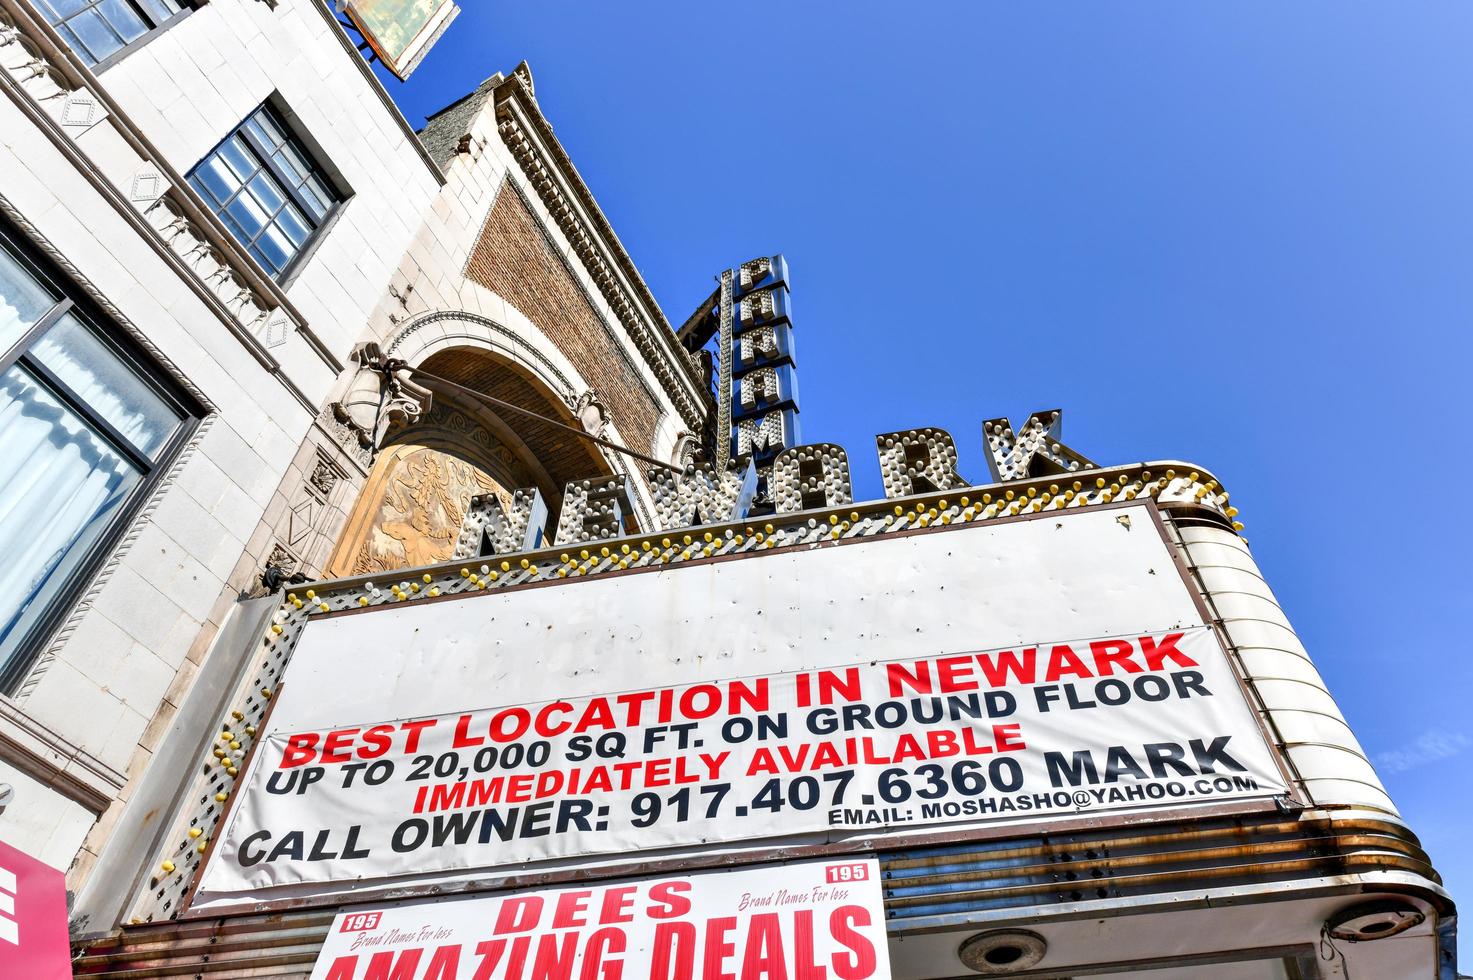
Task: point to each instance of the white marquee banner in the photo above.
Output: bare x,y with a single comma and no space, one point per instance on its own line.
800,920
1022,734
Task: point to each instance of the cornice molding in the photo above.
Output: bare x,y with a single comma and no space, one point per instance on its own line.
103,303
42,81
51,758
529,137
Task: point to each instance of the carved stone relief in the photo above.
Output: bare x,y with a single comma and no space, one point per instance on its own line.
410,511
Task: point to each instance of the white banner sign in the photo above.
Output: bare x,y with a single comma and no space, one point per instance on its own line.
1047,730
822,920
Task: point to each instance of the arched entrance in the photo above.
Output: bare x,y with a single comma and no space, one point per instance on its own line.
411,506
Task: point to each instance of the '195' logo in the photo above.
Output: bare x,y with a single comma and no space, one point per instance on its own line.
840,873
361,922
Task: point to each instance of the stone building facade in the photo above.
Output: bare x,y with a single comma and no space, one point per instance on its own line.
229,199
264,350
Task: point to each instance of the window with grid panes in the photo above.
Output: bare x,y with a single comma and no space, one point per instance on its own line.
267,189
87,425
100,30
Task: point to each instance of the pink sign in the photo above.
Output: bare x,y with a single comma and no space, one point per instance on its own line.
33,919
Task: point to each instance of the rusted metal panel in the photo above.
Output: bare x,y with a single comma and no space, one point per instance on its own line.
1150,866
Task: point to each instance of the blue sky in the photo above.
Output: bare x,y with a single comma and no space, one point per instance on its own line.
1236,234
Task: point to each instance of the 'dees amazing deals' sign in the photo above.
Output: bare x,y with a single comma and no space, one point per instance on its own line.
794,922
1014,735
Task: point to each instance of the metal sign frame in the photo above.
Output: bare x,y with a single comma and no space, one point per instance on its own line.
870,844
403,63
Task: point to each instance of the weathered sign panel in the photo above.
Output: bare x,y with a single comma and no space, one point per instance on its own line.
966,677
799,920
401,32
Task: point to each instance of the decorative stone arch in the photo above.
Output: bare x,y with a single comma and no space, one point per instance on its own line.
427,469
523,344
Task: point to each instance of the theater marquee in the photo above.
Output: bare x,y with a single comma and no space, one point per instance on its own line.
976,676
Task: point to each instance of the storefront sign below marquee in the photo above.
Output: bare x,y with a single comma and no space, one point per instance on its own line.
822,920
33,919
883,709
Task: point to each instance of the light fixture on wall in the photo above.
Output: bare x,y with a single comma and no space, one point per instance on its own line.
1369,921
1002,952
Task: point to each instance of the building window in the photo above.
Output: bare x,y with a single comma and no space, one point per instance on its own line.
86,425
267,189
101,30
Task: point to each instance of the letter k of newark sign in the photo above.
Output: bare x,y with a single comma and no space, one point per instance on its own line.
819,921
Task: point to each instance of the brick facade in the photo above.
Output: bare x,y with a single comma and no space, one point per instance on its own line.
513,258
